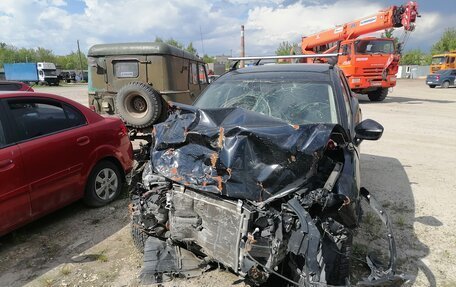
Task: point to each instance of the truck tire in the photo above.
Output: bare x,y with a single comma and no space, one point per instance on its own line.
446,85
378,95
138,105
431,86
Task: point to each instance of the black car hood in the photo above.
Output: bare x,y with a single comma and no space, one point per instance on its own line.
237,153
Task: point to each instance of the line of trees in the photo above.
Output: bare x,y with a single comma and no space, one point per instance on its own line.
189,48
12,54
446,43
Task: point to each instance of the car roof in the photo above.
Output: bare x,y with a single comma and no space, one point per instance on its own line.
299,67
91,115
139,48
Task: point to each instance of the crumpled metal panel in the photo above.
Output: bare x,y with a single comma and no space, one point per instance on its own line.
236,152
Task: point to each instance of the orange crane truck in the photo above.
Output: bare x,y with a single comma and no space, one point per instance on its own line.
370,63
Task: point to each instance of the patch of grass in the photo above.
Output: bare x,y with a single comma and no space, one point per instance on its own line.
47,282
400,221
369,218
359,250
65,270
102,256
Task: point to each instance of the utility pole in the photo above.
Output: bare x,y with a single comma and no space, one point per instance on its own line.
202,44
241,64
80,60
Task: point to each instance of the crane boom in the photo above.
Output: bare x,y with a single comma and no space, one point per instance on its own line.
393,17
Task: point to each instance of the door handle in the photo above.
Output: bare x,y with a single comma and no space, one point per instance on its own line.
6,165
83,140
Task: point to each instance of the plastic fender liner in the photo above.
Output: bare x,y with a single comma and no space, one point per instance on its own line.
306,241
381,276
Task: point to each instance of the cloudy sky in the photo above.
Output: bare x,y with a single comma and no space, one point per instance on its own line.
57,24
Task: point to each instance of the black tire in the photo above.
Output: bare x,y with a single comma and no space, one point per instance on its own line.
431,86
378,95
446,85
103,170
139,237
139,105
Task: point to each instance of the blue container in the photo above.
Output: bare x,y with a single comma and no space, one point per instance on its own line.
24,72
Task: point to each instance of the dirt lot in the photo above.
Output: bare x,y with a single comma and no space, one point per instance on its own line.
411,170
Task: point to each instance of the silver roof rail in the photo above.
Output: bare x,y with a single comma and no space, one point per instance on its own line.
259,58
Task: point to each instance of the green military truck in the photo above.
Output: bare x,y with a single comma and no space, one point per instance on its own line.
135,80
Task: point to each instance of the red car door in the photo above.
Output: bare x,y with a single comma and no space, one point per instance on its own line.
14,193
55,142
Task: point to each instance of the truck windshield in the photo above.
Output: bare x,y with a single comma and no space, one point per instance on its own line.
50,72
438,60
374,47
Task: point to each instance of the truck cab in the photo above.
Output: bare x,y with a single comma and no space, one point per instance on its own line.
443,62
370,65
47,73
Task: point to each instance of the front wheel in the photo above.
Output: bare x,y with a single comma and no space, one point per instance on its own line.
446,85
104,184
378,95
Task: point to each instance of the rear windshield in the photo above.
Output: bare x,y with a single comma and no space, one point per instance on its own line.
287,96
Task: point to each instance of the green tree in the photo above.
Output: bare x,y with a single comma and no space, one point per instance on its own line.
11,54
191,49
388,33
285,48
44,55
415,57
208,59
446,43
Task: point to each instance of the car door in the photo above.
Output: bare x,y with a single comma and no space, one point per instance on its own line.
453,77
54,141
14,194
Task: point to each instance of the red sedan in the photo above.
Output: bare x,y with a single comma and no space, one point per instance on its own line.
54,151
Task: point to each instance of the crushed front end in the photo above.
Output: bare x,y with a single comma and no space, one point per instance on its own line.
261,197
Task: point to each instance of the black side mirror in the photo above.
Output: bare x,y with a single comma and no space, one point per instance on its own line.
368,130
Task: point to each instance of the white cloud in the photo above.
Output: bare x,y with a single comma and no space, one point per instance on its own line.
50,24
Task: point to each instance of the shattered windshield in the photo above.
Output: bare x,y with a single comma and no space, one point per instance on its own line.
374,47
287,96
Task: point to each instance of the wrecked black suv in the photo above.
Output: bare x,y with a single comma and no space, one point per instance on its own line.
260,175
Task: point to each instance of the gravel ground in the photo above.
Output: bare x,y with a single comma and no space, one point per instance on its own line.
411,171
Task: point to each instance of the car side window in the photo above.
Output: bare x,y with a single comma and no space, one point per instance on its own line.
346,92
202,74
193,74
2,135
75,117
36,118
